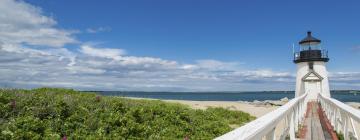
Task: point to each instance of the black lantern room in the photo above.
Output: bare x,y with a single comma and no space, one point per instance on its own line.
310,50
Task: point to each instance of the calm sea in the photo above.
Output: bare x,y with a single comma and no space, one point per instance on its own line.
344,96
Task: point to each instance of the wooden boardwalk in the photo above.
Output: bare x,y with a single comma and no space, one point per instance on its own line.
314,127
301,119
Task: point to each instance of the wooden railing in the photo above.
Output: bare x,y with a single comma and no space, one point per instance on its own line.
290,114
344,119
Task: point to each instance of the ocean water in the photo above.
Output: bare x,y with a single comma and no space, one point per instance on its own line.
344,96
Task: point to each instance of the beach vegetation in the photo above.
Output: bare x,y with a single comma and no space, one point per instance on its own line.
54,113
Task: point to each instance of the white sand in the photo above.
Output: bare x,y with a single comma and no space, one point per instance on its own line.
253,110
354,104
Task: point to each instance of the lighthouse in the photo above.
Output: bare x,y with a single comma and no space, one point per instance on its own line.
311,76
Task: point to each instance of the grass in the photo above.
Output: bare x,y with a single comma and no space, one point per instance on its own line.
340,136
49,113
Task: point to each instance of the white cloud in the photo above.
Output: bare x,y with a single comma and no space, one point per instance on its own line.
102,52
97,30
24,23
345,77
31,67
344,80
215,64
355,49
24,65
87,70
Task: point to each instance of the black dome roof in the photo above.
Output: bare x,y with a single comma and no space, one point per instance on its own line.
309,40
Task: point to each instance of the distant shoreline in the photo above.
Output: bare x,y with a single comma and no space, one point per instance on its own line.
276,91
257,108
223,96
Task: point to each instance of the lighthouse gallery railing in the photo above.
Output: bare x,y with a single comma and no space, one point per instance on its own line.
290,114
343,118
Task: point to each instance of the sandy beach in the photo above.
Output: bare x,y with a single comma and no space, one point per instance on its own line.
248,107
254,110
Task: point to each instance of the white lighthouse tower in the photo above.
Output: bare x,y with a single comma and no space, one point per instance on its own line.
311,76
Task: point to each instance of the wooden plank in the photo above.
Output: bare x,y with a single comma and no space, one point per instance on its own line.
312,122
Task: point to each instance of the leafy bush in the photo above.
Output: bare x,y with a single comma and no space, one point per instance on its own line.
49,113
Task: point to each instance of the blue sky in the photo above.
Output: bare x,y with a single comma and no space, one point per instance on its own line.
235,45
188,30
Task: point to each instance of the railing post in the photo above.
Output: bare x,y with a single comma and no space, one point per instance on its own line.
327,110
265,126
301,111
353,128
292,127
339,120
296,113
341,116
329,113
285,131
333,116
271,135
341,123
345,128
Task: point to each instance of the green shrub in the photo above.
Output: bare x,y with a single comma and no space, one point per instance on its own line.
52,113
340,135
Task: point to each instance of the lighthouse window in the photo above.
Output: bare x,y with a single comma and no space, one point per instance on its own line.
311,65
